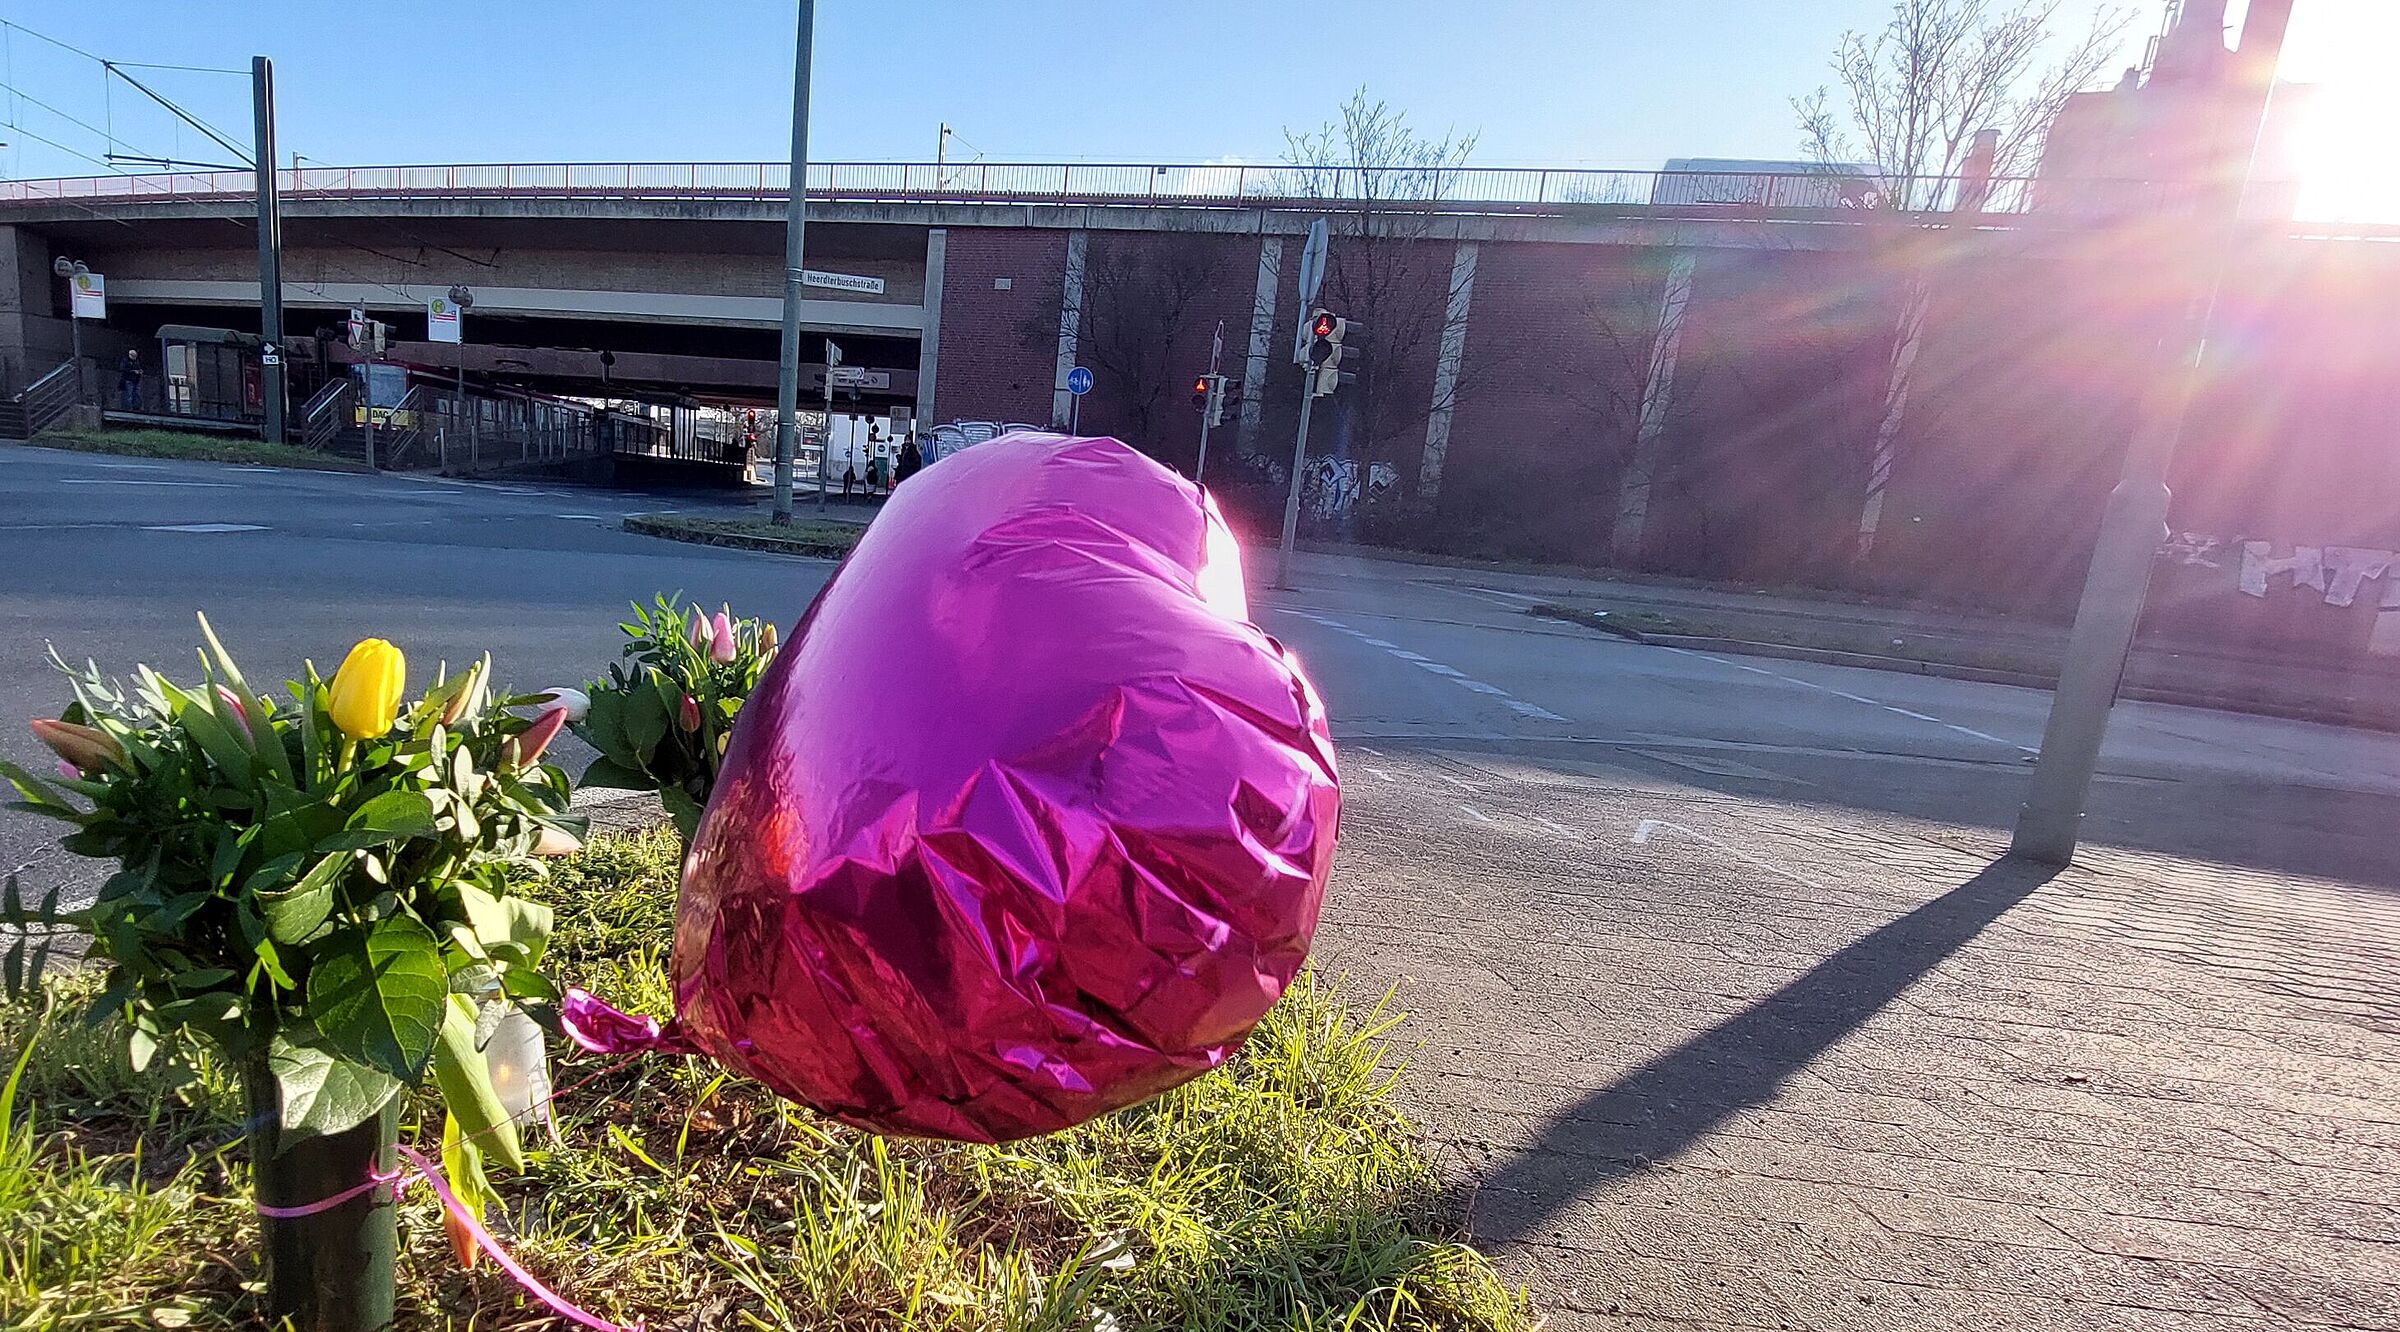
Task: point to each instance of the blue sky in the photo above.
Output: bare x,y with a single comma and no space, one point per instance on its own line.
1575,82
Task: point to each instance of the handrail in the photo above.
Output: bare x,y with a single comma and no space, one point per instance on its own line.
1544,189
325,413
46,399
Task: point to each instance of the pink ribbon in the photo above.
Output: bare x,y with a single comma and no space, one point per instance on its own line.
465,1216
596,1027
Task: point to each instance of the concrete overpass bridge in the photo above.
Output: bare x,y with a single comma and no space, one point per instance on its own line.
1742,376
675,268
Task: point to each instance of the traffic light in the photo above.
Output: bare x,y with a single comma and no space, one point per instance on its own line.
1325,333
1208,395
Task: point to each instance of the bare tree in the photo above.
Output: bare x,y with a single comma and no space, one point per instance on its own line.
1914,93
1382,185
1137,301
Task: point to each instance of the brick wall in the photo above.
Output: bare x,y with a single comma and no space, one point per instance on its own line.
1557,346
1143,362
1000,342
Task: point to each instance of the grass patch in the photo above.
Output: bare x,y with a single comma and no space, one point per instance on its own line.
196,448
1281,1191
823,539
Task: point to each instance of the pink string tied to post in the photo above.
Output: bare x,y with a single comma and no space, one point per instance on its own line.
465,1216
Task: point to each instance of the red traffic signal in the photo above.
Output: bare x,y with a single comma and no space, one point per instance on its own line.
1324,325
1200,392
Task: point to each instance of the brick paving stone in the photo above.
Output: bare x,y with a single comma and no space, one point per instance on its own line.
1801,1066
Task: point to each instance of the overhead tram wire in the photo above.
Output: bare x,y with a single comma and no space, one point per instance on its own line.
118,67
122,64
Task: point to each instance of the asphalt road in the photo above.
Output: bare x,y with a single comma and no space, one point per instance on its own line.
108,558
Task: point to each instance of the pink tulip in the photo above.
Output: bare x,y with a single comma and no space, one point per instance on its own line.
69,771
689,714
720,643
699,627
233,704
527,745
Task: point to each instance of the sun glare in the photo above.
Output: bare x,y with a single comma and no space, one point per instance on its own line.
2344,141
2346,149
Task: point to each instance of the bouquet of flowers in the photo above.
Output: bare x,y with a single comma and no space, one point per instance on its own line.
316,885
663,716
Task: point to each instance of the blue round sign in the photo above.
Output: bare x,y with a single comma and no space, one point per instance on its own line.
1079,381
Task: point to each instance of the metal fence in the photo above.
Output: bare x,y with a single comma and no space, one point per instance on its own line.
1468,189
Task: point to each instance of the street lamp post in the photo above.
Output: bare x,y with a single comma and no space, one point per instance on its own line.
795,224
2049,826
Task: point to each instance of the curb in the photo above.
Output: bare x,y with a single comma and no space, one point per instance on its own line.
641,525
2353,714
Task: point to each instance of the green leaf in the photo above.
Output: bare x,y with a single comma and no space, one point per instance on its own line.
294,913
648,713
322,1093
140,1048
500,919
391,817
465,1079
198,717
39,798
378,995
603,728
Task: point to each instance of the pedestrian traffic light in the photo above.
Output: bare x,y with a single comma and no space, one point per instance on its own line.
1200,392
1325,333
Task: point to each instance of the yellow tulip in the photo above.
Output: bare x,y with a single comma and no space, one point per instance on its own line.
367,689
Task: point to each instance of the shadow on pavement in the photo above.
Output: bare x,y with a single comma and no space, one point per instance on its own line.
1669,1103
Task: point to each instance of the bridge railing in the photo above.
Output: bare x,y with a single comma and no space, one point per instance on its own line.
1495,189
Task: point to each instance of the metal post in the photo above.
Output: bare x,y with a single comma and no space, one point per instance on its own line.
825,441
75,335
795,224
1212,400
270,248
1291,501
2050,823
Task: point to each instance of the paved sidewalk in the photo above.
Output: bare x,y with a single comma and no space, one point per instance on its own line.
1711,1061
1960,643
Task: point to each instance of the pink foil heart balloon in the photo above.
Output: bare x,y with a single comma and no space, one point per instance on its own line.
1028,822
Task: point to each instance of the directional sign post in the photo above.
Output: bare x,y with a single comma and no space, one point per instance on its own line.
1312,277
1079,382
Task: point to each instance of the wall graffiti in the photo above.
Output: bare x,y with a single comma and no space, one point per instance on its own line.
1331,487
2336,574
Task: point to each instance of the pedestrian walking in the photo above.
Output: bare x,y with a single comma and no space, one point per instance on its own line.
129,381
911,462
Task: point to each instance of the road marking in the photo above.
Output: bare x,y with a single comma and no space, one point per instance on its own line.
1476,814
1918,715
1453,674
583,517
1855,698
206,527
1861,698
1649,827
1980,735
1380,773
1461,785
129,481
129,467
1559,828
